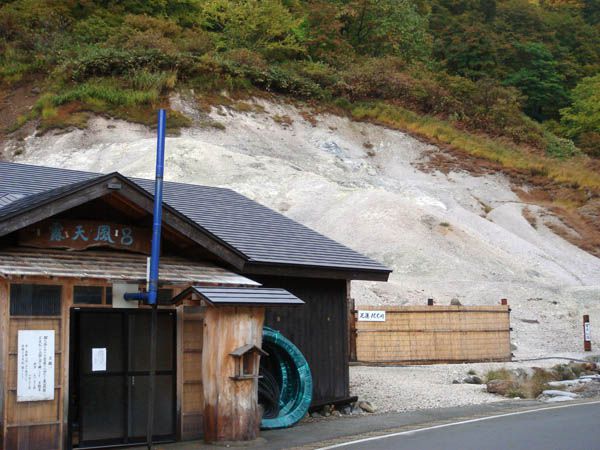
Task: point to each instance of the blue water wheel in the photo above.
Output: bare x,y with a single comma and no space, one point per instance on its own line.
285,389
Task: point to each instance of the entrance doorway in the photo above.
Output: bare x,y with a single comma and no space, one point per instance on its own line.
109,373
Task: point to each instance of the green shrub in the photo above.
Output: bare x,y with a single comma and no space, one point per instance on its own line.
562,148
106,91
515,392
96,61
498,374
144,80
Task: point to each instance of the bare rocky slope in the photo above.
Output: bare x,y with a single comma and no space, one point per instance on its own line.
446,236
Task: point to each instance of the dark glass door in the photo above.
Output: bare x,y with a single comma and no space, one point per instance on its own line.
110,389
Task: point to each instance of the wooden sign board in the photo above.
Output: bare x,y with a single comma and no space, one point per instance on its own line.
81,234
35,372
371,316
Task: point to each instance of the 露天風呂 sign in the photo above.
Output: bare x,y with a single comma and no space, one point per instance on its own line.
82,234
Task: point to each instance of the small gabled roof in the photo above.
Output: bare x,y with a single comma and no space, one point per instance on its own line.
241,296
241,351
265,241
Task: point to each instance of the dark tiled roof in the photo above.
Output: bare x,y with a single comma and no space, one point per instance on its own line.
242,295
5,199
26,202
261,234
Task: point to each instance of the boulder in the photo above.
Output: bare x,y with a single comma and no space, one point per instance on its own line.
366,406
455,302
472,379
500,387
564,383
557,393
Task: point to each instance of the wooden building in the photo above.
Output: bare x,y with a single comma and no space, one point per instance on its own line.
74,354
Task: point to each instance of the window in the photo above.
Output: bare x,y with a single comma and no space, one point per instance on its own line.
91,295
164,296
34,300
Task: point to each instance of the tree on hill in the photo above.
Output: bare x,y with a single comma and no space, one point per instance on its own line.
581,120
536,76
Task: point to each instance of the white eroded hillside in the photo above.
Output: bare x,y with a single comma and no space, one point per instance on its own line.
445,236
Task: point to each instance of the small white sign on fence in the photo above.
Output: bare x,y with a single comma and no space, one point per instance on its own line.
371,316
35,371
587,332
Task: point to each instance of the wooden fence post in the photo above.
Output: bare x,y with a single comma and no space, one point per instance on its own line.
587,335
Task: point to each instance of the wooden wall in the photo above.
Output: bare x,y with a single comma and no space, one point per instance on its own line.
190,395
34,425
318,329
231,405
435,334
43,425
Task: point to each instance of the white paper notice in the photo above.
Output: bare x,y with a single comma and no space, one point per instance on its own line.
35,372
98,359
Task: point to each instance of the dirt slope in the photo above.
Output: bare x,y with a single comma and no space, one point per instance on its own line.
454,235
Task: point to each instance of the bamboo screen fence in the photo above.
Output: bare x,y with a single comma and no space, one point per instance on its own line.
433,334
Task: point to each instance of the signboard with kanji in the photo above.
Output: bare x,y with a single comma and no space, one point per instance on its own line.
35,371
371,316
81,234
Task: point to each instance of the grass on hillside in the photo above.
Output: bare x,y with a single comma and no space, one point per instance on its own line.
137,95
572,172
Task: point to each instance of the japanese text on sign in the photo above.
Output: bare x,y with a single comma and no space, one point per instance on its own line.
82,234
35,371
371,316
587,332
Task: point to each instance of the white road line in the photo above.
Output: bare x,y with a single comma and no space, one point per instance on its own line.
446,425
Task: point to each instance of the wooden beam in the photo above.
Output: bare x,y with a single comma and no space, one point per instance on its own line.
52,208
313,272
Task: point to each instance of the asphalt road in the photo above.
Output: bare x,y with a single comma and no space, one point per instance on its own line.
564,427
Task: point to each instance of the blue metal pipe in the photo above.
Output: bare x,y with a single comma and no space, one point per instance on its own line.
158,194
151,295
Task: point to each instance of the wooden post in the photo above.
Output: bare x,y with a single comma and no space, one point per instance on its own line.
351,323
587,335
4,302
231,410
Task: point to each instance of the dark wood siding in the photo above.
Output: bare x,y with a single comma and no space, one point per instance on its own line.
318,328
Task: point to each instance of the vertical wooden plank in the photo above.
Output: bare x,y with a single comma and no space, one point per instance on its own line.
4,302
179,385
350,306
67,302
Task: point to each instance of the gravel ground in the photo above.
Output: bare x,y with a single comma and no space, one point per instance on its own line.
397,389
